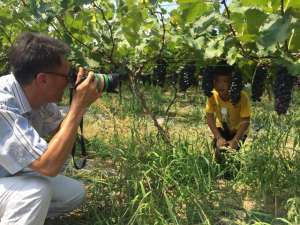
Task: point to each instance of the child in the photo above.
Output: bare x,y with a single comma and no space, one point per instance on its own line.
227,108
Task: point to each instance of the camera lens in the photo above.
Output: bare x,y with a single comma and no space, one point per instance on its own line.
111,81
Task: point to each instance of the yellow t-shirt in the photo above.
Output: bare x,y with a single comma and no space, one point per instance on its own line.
225,111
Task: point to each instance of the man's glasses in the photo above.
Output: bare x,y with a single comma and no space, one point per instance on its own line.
66,76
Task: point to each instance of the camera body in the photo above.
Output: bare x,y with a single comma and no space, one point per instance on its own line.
105,82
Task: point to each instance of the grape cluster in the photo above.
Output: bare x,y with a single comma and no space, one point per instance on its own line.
237,86
207,81
297,81
258,82
187,76
283,87
159,72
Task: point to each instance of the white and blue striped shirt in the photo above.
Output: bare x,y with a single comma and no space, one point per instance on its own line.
22,128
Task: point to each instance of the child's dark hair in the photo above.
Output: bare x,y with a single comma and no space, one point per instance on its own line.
222,68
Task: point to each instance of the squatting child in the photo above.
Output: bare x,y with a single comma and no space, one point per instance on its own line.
227,108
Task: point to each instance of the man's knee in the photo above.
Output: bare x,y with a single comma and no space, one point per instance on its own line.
79,195
69,194
39,189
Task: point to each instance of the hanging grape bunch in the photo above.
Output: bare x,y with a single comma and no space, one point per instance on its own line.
258,82
237,86
207,81
159,72
297,81
283,86
187,76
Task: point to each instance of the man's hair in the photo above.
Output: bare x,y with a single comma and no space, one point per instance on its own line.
32,53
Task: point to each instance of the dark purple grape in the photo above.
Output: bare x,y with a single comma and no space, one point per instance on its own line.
187,76
237,86
207,81
159,72
283,87
258,82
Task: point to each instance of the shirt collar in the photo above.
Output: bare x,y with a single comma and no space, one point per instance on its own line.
21,97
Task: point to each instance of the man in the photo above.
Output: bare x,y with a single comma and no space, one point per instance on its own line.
30,185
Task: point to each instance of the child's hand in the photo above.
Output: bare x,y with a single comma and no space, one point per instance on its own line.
233,143
221,142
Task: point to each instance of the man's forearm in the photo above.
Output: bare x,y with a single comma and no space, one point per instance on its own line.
59,146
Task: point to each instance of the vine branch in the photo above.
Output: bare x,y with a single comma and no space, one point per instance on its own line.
163,133
231,28
77,40
110,31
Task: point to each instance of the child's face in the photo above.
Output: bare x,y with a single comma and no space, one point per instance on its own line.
222,85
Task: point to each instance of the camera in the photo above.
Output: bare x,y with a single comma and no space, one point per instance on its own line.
105,82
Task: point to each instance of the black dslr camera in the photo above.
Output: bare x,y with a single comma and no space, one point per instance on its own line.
107,82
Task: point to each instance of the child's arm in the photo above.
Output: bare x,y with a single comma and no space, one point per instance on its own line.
212,126
233,143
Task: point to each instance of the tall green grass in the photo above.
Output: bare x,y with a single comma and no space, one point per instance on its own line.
135,178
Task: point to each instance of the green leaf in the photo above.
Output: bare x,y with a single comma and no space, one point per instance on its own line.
293,3
294,42
254,19
238,22
266,5
215,48
297,122
209,22
92,63
277,30
193,9
34,8
257,3
233,55
199,43
293,65
131,25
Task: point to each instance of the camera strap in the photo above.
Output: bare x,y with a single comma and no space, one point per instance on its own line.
78,163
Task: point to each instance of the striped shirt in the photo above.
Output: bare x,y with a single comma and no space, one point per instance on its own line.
21,128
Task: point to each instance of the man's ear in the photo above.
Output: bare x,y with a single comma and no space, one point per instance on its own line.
41,79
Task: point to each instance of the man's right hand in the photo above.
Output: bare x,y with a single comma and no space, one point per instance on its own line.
86,92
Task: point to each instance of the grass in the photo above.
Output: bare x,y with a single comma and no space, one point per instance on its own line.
132,177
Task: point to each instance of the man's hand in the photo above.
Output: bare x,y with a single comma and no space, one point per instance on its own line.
233,143
86,92
221,142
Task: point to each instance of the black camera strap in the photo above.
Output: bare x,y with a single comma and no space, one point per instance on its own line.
78,163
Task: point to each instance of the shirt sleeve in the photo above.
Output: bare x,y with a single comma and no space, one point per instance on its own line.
210,105
20,144
245,106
